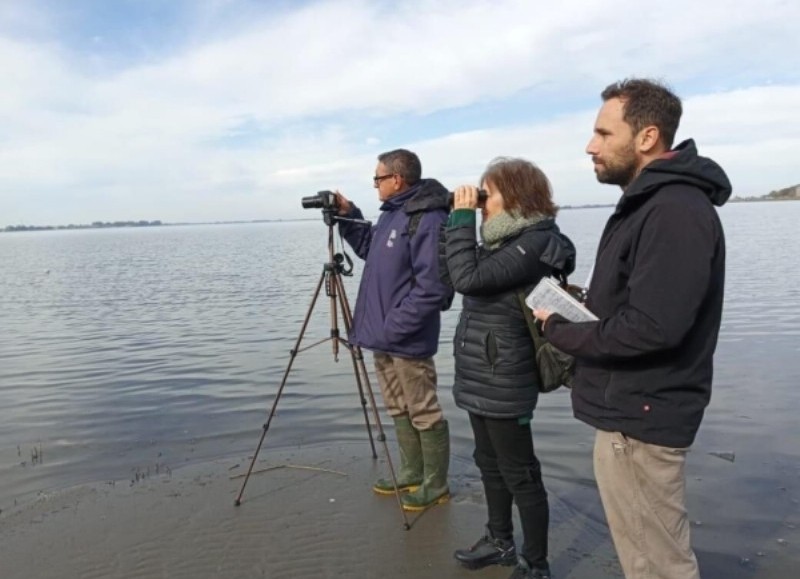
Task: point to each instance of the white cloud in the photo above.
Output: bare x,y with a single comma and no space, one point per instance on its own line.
241,122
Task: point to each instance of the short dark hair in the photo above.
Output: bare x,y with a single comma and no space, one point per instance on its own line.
403,163
647,102
523,185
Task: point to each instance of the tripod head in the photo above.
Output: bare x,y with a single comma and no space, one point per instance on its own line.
329,216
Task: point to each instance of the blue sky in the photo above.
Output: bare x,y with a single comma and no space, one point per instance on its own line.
234,110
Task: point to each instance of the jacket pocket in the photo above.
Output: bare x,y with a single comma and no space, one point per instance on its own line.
594,383
624,391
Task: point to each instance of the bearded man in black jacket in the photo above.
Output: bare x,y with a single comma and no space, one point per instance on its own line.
643,371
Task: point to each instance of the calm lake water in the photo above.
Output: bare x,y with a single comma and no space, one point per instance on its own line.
124,351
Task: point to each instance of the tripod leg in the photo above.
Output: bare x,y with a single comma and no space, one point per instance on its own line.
355,355
294,352
358,360
362,379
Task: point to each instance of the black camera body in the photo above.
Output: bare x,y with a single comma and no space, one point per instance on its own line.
325,200
482,197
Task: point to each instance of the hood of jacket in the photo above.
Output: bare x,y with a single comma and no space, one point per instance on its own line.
426,195
559,253
680,165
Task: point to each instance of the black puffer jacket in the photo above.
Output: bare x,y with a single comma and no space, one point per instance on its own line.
495,369
645,368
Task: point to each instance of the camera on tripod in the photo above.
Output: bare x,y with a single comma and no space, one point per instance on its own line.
322,200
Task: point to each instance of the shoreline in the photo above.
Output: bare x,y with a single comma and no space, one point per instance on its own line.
310,512
320,519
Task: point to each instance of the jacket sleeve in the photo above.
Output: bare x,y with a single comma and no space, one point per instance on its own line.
669,280
512,266
357,235
428,292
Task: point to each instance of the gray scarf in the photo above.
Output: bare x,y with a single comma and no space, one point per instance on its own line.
506,224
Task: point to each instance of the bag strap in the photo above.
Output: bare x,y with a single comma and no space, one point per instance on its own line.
538,339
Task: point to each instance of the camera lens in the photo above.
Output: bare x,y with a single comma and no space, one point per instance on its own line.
312,202
322,200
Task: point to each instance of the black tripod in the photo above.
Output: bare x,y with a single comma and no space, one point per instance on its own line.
331,278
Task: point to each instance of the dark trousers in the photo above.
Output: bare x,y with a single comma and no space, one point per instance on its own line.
511,473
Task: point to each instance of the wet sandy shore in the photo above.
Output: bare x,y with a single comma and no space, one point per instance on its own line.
293,522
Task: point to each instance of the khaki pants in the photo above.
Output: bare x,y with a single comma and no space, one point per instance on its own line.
642,489
409,386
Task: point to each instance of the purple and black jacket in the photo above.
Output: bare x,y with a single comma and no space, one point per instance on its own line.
398,309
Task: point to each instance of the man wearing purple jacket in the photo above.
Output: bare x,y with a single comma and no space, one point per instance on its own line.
398,317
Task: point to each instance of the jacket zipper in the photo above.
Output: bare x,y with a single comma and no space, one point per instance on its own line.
491,350
464,331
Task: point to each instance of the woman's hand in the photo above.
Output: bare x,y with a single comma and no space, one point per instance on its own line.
465,197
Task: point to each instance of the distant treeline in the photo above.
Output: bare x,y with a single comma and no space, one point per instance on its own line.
94,225
787,194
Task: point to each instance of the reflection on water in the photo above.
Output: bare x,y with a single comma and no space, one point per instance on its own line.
123,350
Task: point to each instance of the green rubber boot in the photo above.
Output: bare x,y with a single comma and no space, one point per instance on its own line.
409,476
436,459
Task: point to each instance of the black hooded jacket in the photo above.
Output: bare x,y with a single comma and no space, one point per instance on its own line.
645,368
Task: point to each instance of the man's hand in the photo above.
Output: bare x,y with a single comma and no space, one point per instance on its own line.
343,204
465,197
542,316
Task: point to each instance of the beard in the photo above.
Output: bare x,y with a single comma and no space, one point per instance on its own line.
619,170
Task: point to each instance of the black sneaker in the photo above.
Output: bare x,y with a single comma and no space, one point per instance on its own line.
488,551
525,571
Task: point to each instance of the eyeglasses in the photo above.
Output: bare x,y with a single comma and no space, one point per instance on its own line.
378,178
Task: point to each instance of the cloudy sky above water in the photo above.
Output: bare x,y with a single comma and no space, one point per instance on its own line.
214,110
